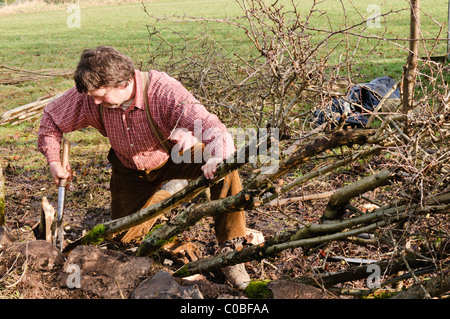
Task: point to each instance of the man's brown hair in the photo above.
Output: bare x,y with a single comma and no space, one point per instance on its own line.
102,67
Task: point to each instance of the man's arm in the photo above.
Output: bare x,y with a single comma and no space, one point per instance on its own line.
181,110
65,114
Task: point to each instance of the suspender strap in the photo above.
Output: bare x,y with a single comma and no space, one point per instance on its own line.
165,143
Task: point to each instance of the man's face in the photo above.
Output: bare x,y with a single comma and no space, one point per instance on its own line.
110,97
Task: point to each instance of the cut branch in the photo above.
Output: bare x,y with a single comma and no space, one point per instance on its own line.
26,111
273,199
336,206
303,198
360,272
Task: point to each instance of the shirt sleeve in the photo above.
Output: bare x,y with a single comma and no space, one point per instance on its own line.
70,112
183,110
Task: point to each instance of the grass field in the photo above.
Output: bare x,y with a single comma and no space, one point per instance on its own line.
38,40
39,37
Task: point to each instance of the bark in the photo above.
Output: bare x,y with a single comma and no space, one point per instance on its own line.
303,198
268,249
101,231
395,212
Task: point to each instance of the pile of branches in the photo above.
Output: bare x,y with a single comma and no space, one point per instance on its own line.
26,112
275,88
13,75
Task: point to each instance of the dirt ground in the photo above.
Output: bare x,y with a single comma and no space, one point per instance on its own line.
87,204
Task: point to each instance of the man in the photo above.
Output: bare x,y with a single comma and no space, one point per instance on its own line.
140,113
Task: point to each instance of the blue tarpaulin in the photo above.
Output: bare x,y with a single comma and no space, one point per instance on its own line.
360,99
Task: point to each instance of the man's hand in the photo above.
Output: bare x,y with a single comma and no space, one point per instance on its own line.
185,138
211,166
58,172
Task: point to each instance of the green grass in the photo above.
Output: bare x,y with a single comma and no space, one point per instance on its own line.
38,40
42,40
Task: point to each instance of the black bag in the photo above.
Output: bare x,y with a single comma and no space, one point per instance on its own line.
361,97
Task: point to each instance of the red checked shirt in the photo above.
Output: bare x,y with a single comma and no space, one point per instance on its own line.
176,112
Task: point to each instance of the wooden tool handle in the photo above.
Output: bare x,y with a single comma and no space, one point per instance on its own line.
65,160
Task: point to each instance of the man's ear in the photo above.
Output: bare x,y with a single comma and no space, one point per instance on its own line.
123,85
